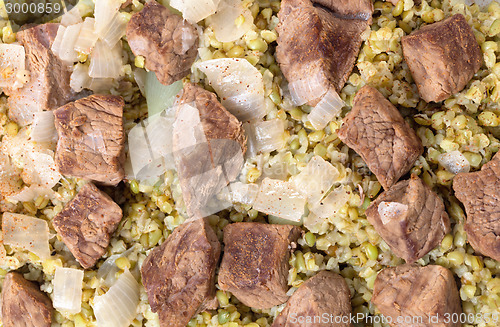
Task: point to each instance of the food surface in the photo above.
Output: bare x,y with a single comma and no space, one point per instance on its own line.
251,163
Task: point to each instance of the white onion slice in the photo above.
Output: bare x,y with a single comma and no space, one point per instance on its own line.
195,10
316,179
158,96
10,175
391,210
105,62
280,199
32,193
56,45
43,128
332,203
268,135
29,233
308,88
71,17
104,13
115,31
66,50
239,85
68,289
108,269
80,78
327,108
118,306
87,37
243,193
223,21
454,162
12,60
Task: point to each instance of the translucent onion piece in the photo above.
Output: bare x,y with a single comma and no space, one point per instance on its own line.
32,193
68,290
66,49
80,78
332,203
195,10
280,199
454,162
316,179
108,269
224,21
316,224
118,306
12,60
10,176
105,62
29,233
56,45
71,17
104,13
116,30
239,85
158,96
308,88
327,108
43,128
87,37
391,210
243,193
269,135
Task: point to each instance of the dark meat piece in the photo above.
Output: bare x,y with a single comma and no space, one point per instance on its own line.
48,87
86,224
23,304
327,47
354,9
255,264
410,217
442,57
207,167
326,292
179,275
480,194
168,42
378,133
419,292
91,139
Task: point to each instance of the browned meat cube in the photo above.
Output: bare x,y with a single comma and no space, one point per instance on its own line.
91,139
480,194
169,43
326,292
442,57
23,304
179,275
378,133
355,9
86,224
423,296
207,167
255,264
48,87
410,217
315,43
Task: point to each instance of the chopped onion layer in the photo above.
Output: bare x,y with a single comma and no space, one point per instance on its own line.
158,96
108,269
29,233
195,10
231,21
68,289
104,13
243,193
31,193
118,306
105,62
266,136
71,17
280,199
87,37
332,203
116,30
308,88
391,210
12,60
65,41
239,85
43,128
454,162
327,108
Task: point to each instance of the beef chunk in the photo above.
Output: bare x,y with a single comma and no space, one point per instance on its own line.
221,140
86,224
480,194
48,87
326,292
354,9
179,275
91,138
442,57
419,292
378,133
410,218
255,264
23,304
168,42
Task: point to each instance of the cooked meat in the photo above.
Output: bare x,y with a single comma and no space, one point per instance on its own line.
48,87
442,57
354,9
328,44
23,304
207,166
378,133
168,42
419,292
91,139
86,224
326,292
410,217
255,264
480,194
179,275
